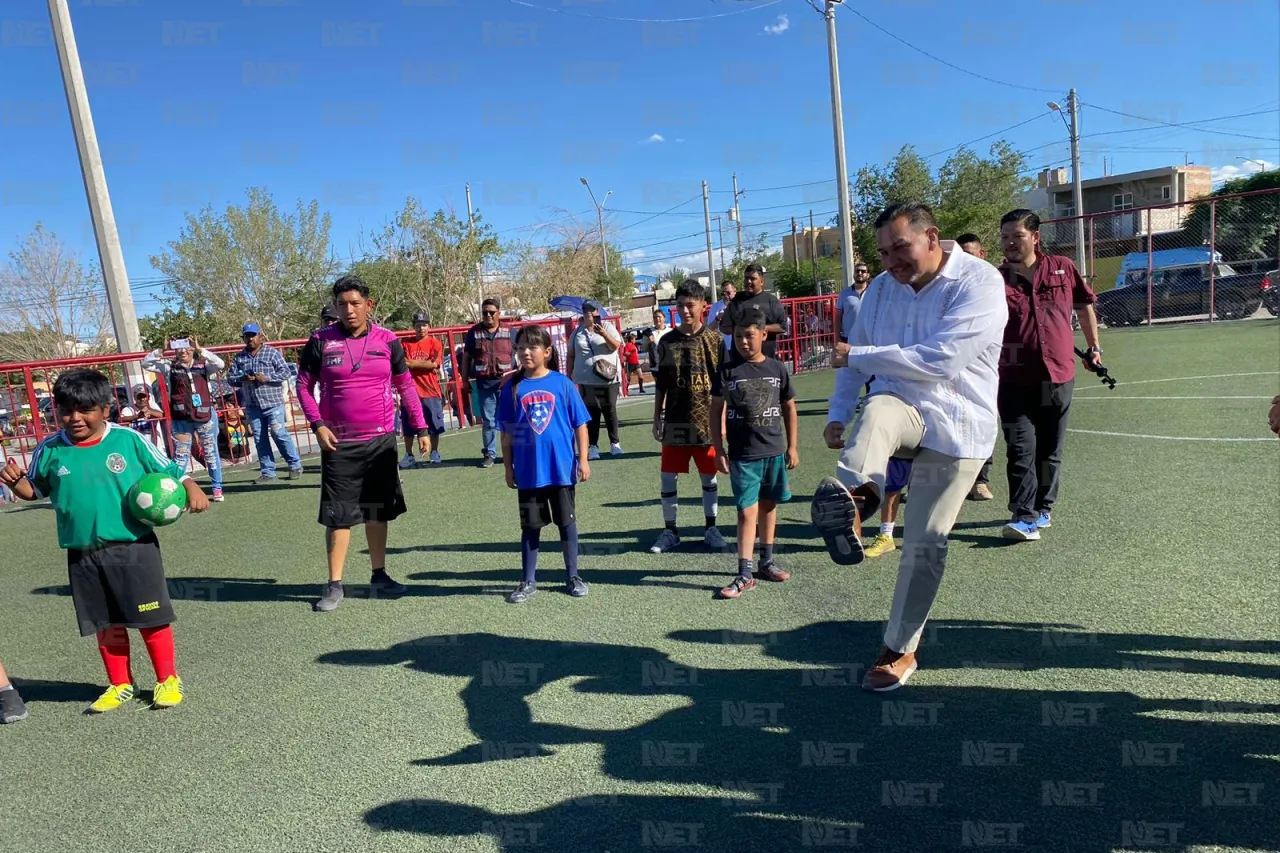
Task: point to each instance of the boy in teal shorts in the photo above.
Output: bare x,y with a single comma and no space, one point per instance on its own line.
758,403
113,561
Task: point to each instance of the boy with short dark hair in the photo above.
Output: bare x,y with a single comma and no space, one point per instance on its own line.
756,400
113,561
687,358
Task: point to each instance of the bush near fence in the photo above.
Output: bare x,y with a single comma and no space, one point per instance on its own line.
26,385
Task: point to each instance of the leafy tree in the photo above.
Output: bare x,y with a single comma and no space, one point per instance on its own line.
427,262
1242,228
168,323
54,306
674,275
790,281
249,263
969,193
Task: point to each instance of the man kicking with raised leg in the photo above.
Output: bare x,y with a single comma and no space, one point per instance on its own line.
929,331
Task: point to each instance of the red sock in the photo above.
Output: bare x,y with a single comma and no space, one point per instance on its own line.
160,646
113,644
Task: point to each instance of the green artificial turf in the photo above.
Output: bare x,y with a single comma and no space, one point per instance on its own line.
1114,686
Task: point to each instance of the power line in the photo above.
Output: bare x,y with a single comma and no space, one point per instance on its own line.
1183,125
940,60
743,11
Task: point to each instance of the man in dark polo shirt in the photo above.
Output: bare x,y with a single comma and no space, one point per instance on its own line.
1037,368
753,293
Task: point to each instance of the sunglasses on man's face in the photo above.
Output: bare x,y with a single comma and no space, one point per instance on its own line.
490,313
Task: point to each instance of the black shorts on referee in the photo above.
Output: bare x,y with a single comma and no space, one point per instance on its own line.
119,584
360,483
540,507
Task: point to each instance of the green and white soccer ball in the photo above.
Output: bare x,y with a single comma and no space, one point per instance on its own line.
157,500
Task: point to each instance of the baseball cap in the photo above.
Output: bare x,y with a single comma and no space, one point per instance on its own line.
588,307
421,317
250,329
140,388
327,314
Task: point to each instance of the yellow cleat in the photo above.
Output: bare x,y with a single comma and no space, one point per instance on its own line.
881,545
168,692
116,695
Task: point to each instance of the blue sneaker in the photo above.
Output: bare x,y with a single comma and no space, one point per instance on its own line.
1021,531
1042,520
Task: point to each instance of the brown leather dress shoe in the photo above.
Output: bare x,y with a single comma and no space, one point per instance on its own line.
890,671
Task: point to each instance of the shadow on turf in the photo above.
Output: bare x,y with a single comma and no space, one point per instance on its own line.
36,690
803,758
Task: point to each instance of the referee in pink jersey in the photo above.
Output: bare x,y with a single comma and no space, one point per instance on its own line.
358,366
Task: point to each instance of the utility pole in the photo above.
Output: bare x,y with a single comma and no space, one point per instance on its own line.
842,171
795,247
737,214
711,258
813,248
1077,190
471,223
720,232
123,316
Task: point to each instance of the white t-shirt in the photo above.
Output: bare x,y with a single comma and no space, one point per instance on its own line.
589,347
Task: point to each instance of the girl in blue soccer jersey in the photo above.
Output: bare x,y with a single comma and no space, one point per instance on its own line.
544,448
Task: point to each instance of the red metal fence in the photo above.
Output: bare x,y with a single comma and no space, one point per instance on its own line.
27,414
1210,259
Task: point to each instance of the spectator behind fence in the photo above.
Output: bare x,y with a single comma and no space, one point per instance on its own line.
191,373
260,372
144,416
727,292
487,356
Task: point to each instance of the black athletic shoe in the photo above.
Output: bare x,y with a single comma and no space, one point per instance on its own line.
523,593
12,708
576,587
381,584
487,461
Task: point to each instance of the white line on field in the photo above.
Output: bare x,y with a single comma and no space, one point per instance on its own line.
1123,397
1188,378
1162,437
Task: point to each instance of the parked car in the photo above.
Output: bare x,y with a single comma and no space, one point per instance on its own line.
1180,288
1271,292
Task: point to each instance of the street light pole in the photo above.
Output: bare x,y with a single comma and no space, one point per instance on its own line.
842,170
604,250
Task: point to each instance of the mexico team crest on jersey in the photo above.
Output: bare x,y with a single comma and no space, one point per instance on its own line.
116,463
538,407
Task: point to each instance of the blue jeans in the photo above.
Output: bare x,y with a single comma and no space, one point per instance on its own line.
487,391
208,434
266,425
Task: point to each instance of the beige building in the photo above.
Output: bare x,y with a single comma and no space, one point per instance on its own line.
1119,198
810,243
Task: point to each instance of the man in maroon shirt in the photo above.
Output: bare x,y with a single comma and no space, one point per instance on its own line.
1037,368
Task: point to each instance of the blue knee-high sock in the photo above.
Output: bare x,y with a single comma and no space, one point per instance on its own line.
569,545
529,542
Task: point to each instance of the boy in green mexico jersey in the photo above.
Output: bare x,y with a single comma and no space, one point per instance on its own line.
113,561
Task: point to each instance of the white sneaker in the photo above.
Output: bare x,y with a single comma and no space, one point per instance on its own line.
435,457
615,449
593,453
408,461
715,540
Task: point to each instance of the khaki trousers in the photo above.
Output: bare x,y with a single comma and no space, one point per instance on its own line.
888,426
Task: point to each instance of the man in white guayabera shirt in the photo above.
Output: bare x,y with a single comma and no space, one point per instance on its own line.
929,331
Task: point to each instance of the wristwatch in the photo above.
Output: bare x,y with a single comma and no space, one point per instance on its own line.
1094,349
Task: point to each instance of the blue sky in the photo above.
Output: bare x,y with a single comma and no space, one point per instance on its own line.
360,105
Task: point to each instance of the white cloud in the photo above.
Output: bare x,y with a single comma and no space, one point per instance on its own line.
1239,170
633,254
654,138
784,24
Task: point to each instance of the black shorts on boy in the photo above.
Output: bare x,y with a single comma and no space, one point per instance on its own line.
119,584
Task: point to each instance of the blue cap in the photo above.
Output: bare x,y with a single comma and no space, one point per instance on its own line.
250,329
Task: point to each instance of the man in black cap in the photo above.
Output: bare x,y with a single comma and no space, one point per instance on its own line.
424,355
